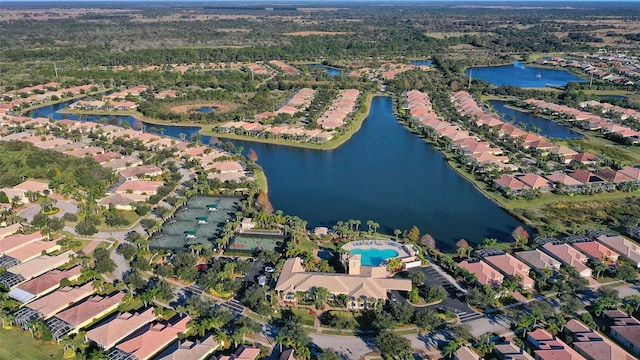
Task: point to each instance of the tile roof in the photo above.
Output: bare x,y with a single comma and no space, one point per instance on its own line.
485,274
592,345
118,327
60,299
190,350
152,338
569,256
537,259
511,266
89,309
549,347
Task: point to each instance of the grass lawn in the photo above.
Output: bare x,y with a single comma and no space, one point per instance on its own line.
303,313
129,215
307,245
261,180
17,345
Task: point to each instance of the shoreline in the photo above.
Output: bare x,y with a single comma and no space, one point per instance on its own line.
332,144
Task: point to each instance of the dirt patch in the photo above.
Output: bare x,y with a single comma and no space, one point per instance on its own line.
309,33
218,107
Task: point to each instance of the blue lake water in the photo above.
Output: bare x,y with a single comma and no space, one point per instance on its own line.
374,257
420,62
175,131
386,174
548,128
383,173
522,76
327,69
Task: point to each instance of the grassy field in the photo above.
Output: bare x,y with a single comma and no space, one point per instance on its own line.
17,345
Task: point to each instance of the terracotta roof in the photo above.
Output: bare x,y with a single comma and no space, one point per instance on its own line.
243,353
140,170
535,181
46,282
465,353
119,327
139,186
510,351
549,347
591,344
614,176
632,172
597,251
152,338
33,250
562,178
31,185
627,248
586,177
41,264
89,309
485,274
60,299
569,256
511,266
190,350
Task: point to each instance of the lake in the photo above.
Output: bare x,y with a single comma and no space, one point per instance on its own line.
420,62
548,128
383,173
522,76
175,131
327,69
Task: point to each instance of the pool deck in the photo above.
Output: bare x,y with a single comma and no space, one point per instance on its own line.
378,245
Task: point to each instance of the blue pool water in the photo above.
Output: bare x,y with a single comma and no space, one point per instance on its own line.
206,109
374,257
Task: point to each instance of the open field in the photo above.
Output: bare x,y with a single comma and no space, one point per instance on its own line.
17,345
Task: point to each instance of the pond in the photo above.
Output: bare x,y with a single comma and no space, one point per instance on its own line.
522,76
386,174
530,122
206,109
420,62
327,69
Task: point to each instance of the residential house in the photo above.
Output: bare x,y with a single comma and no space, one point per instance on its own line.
16,241
625,330
9,230
122,163
465,353
142,171
121,201
593,346
510,266
538,260
598,251
150,339
628,249
27,252
362,282
51,304
243,353
565,182
590,179
485,274
190,350
139,187
549,347
633,173
536,182
43,284
118,327
510,351
83,314
569,256
615,177
33,268
510,185
40,187
289,354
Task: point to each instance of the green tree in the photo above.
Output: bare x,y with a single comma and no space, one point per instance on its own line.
393,346
414,234
103,263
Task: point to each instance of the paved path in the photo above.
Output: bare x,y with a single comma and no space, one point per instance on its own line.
349,347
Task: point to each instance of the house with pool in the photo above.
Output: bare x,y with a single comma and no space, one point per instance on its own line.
367,279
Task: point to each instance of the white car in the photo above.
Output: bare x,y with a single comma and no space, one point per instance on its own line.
269,269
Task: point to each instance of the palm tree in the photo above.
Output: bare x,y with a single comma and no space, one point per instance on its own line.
397,232
321,295
450,348
525,324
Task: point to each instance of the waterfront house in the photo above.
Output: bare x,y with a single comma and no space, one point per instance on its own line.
362,282
536,182
629,250
43,284
593,346
510,351
83,314
509,185
51,304
465,353
565,182
598,251
538,260
569,256
585,158
150,339
510,266
118,327
624,329
190,350
549,347
484,273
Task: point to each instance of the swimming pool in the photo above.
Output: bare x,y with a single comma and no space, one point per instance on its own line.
374,257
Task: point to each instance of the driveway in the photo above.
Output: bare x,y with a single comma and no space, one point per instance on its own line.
67,206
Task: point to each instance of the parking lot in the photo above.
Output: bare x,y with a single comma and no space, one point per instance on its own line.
451,303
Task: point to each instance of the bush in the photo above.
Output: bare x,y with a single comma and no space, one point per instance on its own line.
71,217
